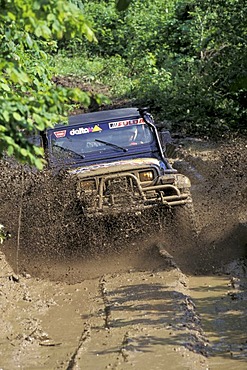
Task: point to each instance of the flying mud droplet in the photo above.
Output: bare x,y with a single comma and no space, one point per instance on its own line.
57,241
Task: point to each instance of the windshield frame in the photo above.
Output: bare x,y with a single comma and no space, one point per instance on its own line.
110,153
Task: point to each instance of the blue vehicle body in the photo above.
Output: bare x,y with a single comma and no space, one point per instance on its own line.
118,161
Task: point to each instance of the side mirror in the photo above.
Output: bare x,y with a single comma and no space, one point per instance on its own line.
165,137
168,146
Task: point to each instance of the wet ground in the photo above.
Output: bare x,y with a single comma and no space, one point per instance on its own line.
152,301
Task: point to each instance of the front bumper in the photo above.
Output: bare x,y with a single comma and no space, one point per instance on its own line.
124,193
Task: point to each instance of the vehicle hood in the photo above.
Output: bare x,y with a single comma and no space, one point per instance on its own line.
122,165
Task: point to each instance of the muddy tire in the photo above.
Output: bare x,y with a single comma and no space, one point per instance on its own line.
185,220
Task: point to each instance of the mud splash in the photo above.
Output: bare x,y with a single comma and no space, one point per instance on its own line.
51,237
219,185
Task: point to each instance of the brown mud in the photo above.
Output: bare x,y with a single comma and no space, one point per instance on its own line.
141,298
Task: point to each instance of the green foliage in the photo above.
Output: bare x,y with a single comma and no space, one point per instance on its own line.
209,88
29,100
186,59
131,33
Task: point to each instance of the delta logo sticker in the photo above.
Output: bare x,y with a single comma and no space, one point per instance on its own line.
85,130
59,134
125,123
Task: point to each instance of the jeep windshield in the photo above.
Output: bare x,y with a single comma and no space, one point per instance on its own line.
100,140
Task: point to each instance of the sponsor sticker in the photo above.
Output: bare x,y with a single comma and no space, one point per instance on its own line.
84,130
59,134
126,123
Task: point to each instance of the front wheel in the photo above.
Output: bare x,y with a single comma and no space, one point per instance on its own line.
185,219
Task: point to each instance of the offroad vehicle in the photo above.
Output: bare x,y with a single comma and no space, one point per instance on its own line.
119,161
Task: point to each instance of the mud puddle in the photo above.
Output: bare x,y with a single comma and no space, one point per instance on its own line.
141,320
220,302
117,321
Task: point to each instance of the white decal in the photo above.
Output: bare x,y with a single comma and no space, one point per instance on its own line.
126,123
84,130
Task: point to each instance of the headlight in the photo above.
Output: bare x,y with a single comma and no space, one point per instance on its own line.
87,185
146,176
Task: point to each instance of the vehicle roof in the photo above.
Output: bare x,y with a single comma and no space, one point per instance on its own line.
104,115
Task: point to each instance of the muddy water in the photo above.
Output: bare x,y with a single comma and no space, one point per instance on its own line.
133,319
220,303
117,321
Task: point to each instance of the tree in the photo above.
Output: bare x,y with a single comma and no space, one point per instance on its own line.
29,100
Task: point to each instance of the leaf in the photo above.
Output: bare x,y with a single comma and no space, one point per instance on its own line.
5,87
17,116
10,150
11,16
29,40
24,152
39,163
39,121
38,151
2,128
89,33
9,140
102,99
5,114
17,76
43,30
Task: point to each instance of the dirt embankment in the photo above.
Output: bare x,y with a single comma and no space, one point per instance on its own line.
218,175
146,303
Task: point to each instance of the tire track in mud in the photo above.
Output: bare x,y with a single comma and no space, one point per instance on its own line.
141,320
122,353
137,320
83,339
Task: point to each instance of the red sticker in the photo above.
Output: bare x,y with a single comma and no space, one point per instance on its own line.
59,134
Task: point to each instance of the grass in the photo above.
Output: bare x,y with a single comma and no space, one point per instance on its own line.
110,72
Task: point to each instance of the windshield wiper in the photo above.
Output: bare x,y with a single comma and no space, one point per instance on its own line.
111,144
69,151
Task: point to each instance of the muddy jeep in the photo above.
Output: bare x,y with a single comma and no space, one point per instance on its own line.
118,158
